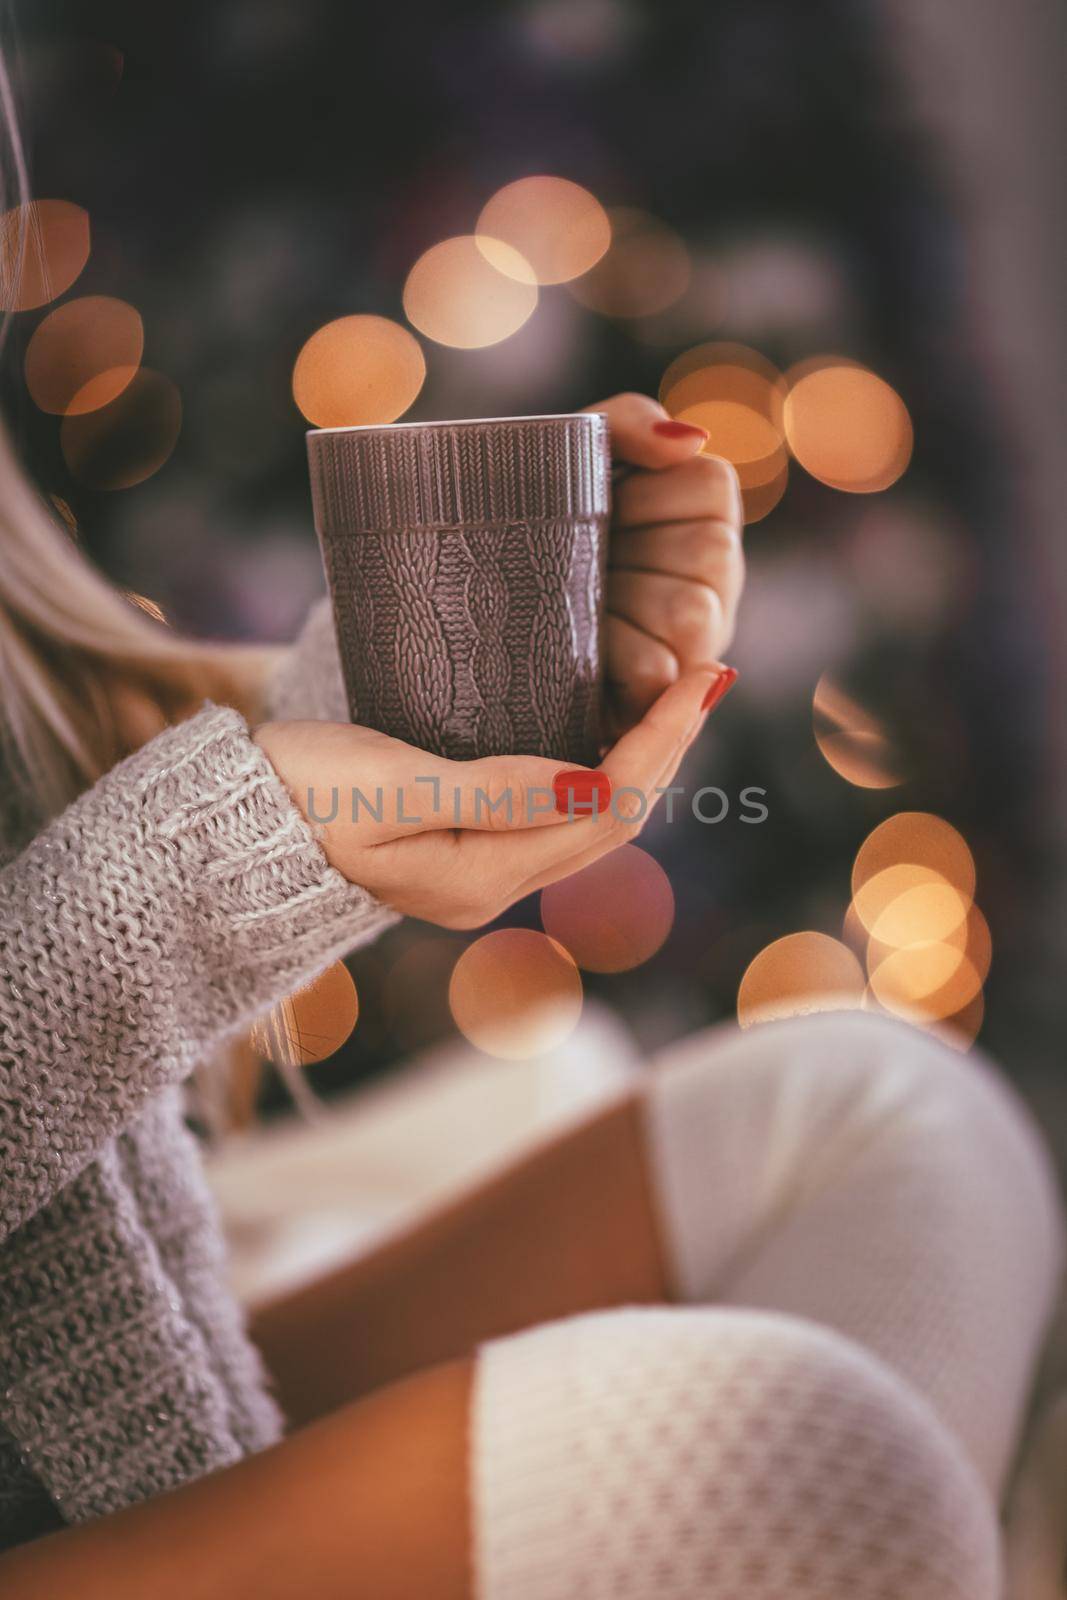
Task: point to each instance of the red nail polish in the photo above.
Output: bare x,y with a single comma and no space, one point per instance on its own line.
669,429
581,793
722,686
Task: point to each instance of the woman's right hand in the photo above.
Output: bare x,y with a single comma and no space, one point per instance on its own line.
457,842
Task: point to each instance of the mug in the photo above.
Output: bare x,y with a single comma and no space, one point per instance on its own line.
465,561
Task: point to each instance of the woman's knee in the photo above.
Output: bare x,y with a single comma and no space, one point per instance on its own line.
696,1453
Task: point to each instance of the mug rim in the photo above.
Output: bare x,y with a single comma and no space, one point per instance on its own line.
454,422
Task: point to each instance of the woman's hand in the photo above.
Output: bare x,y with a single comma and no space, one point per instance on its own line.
457,842
675,563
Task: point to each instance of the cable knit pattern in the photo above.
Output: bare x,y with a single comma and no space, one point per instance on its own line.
167,908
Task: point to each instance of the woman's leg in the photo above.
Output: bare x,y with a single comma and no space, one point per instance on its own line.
853,1170
651,1454
570,1227
370,1502
663,1454
844,1168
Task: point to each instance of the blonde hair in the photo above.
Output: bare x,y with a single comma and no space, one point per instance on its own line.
72,647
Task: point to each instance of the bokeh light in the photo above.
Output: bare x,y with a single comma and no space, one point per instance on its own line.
124,443
909,903
963,1027
515,993
853,742
925,983
313,1023
737,395
917,839
613,915
44,246
83,354
845,425
645,270
758,500
357,371
557,229
929,947
469,293
799,974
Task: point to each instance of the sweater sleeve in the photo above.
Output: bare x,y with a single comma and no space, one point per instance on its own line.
167,908
308,681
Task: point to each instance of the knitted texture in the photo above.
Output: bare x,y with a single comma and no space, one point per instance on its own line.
855,1171
466,565
165,910
707,1454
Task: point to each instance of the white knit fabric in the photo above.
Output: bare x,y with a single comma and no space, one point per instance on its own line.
851,1169
884,1213
705,1454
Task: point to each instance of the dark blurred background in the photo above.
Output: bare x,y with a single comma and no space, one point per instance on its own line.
851,177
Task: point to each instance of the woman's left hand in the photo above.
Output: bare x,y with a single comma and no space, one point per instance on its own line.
675,563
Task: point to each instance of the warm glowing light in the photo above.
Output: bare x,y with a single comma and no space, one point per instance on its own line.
43,247
612,915
929,949
311,1024
962,1029
469,294
84,354
845,425
925,982
736,394
124,443
851,740
515,993
802,973
758,500
645,270
358,371
970,939
909,904
915,839
557,229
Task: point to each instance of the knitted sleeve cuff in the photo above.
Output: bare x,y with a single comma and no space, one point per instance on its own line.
269,912
168,907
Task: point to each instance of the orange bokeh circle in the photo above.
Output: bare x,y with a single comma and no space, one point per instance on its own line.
357,371
515,993
83,354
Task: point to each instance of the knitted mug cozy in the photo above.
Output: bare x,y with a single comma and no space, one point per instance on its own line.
465,561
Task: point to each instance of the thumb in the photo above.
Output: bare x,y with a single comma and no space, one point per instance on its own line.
644,434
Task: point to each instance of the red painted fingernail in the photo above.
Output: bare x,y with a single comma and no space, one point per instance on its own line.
722,686
669,429
579,792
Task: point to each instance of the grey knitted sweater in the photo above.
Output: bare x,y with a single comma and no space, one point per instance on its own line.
163,911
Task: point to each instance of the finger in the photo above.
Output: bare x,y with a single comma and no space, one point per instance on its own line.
707,550
602,843
685,616
643,434
633,767
639,668
705,487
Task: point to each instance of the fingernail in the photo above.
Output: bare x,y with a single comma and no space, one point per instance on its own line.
579,791
669,429
721,687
